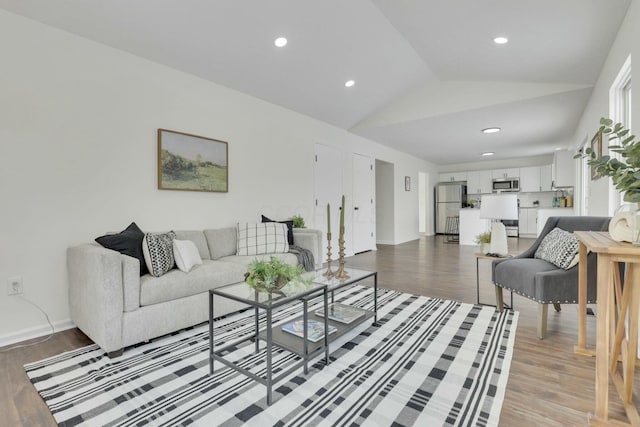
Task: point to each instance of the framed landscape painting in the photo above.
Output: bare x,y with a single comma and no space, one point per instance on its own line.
596,147
192,163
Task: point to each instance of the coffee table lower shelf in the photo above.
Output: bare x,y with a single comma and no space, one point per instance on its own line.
294,344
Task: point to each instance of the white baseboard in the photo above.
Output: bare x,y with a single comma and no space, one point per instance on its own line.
385,242
35,332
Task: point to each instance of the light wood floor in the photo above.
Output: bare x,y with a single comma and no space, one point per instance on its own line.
548,385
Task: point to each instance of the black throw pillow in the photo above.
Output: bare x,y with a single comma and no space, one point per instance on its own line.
127,242
289,224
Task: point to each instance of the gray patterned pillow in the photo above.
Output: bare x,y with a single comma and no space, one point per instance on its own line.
158,252
560,248
265,238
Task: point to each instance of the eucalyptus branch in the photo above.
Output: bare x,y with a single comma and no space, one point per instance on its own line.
624,173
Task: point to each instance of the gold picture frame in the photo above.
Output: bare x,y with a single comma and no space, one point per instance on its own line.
596,147
189,162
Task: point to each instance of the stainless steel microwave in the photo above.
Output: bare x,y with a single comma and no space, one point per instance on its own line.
505,185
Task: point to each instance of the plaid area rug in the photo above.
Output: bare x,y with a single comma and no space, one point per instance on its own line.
429,362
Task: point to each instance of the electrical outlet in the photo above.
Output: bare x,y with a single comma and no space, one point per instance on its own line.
14,285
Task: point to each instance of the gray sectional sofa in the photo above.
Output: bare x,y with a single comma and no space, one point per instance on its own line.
116,307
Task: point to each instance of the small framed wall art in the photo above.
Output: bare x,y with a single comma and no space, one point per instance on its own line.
192,163
596,147
407,183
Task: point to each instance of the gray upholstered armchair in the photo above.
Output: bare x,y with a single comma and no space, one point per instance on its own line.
542,281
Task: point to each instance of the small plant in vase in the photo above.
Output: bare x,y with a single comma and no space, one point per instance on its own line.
271,276
484,240
298,221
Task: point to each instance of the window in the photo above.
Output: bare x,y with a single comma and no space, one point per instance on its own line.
619,112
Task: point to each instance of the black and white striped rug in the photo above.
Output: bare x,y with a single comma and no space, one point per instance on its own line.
430,362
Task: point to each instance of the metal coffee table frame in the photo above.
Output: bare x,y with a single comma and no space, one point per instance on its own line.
268,305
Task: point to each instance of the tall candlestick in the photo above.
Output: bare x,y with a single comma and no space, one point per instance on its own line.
342,216
328,219
341,274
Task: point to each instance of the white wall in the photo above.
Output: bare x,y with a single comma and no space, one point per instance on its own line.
385,195
627,43
78,125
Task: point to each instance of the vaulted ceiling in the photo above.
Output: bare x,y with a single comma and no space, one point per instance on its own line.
428,76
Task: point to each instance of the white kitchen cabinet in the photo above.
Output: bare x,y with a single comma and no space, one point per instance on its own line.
530,179
479,182
453,176
527,222
505,173
535,178
563,169
546,178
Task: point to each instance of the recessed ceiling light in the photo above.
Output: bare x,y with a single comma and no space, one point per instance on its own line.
491,130
488,153
280,42
349,83
501,40
558,148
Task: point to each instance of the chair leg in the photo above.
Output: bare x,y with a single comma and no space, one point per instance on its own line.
499,299
556,305
543,309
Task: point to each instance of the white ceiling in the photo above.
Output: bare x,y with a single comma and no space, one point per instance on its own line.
428,76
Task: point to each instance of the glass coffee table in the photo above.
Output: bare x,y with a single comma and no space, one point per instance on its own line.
270,334
342,319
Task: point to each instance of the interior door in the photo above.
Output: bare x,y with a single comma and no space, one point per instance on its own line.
363,208
328,190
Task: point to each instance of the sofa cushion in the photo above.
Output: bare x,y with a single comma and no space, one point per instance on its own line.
127,242
222,242
560,248
158,252
186,254
288,223
198,238
177,284
266,238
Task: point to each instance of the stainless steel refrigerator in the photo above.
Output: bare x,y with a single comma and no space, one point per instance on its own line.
450,198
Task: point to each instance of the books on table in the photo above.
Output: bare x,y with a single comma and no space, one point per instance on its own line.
341,313
315,329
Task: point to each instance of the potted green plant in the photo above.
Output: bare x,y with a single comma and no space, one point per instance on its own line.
298,221
484,240
270,276
624,170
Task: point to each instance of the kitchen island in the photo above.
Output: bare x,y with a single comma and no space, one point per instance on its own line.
471,225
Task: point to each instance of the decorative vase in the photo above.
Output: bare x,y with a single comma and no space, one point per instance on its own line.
485,247
635,225
261,286
625,224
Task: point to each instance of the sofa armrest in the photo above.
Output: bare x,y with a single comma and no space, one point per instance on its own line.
97,279
311,240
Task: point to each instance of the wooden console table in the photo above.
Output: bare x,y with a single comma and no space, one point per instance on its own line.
616,356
